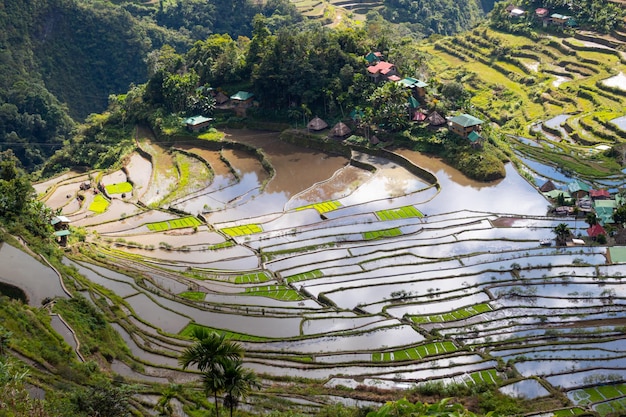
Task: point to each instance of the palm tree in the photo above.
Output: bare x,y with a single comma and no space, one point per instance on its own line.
163,406
211,353
238,382
562,232
591,219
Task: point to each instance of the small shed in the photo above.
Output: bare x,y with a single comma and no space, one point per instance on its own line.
418,116
340,130
61,236
475,138
317,124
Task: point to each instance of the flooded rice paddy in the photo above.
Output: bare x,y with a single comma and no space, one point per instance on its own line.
319,262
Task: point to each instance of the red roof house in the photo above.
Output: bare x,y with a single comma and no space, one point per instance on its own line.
382,69
596,230
599,194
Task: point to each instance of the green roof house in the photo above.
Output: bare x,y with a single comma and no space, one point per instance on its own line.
373,57
197,123
578,189
419,87
475,138
464,124
242,96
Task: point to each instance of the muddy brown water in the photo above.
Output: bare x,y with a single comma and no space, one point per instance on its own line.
296,168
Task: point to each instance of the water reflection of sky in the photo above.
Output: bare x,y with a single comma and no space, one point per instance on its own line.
512,195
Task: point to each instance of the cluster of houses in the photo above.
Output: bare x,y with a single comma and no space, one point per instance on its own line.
379,70
543,15
238,102
581,198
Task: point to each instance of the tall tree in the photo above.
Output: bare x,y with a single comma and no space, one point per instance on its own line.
238,383
562,232
211,354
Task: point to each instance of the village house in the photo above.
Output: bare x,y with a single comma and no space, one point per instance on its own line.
578,189
383,71
465,124
604,211
562,20
242,99
373,57
417,87
61,225
595,231
197,123
514,11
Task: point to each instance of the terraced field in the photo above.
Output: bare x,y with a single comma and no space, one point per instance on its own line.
331,11
522,83
394,283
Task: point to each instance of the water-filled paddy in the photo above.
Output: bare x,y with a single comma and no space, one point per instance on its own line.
477,245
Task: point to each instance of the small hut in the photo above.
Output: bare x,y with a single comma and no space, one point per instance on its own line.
547,187
221,98
317,124
340,130
418,116
435,119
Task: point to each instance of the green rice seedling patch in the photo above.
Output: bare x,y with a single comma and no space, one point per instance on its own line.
193,295
252,278
614,406
569,412
416,352
460,314
181,223
99,204
243,230
378,234
489,376
119,188
316,273
188,330
399,213
598,394
222,245
278,292
322,208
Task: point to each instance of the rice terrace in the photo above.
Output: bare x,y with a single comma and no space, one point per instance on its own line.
346,275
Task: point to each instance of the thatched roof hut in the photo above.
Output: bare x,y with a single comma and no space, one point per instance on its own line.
340,130
435,119
221,98
547,187
317,124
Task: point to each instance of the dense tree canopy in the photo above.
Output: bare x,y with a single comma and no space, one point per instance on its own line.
445,17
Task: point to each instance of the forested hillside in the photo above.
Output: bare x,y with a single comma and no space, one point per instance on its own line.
441,17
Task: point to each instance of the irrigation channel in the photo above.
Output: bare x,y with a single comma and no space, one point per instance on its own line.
324,269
